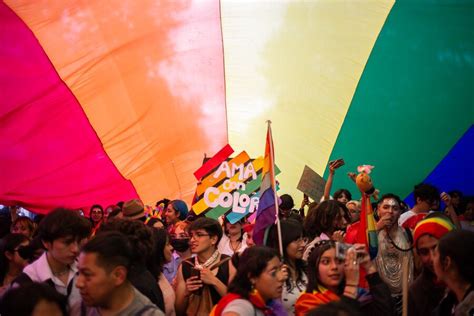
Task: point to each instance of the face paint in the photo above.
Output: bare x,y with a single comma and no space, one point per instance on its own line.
391,202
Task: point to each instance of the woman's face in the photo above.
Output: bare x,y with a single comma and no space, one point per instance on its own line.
343,198
168,251
22,228
96,214
340,221
269,283
295,249
233,229
330,269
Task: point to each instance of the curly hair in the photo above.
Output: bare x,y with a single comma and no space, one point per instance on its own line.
138,234
320,219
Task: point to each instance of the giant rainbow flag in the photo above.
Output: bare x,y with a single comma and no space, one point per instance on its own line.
102,101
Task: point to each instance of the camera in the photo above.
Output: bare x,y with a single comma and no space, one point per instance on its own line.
341,250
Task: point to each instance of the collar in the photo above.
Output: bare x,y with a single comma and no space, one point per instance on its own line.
43,270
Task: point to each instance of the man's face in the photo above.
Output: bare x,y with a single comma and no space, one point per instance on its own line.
425,248
389,209
94,282
65,249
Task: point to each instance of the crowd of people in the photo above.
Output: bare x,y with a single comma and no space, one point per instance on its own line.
125,260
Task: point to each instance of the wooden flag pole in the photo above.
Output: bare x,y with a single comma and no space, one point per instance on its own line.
405,286
272,172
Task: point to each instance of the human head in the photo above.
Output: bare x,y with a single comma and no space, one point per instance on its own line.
292,237
327,217
343,196
154,222
453,259
103,267
204,232
180,237
456,198
248,228
259,268
426,236
96,213
425,195
23,225
138,235
33,299
324,268
62,233
233,229
175,211
11,253
353,206
134,209
389,205
286,205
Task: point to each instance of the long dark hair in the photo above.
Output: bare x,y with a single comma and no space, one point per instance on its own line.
160,239
291,230
313,266
252,263
321,219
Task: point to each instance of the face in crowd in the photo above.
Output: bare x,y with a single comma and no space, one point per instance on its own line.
171,215
96,283
389,211
330,269
201,241
426,246
97,214
269,283
65,249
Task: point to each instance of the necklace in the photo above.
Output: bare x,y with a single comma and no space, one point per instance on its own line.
234,249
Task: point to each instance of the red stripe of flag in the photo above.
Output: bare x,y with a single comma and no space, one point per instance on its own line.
217,159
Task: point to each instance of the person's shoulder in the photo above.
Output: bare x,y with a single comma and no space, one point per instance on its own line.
240,306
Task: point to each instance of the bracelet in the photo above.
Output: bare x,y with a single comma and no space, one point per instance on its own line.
354,285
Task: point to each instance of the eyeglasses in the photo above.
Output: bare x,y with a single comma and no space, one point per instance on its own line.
197,235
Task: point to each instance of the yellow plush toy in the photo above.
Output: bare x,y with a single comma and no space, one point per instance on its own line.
364,181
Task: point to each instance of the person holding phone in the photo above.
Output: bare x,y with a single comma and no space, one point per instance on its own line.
201,281
332,279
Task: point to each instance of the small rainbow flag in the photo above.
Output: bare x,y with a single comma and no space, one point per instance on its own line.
367,232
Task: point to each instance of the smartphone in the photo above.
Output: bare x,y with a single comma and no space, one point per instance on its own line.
341,250
340,162
196,272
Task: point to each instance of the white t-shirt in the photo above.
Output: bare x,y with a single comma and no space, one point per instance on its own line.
405,216
242,307
225,248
